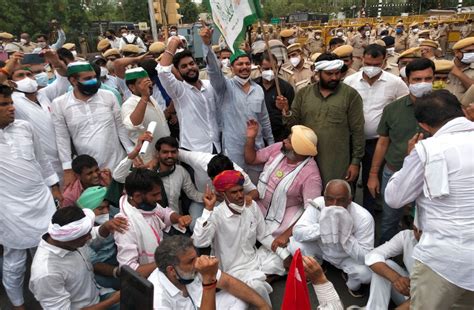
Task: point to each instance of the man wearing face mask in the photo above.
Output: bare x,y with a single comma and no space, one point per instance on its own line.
441,77
244,222
267,82
344,52
61,271
239,100
377,89
90,117
413,36
359,42
26,43
315,44
173,31
288,36
392,57
42,39
146,218
428,49
128,37
113,40
335,111
462,74
183,279
405,58
298,65
33,102
397,126
401,38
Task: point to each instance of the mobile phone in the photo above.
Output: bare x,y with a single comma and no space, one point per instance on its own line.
33,58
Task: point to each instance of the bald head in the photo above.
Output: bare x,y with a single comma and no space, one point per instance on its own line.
337,193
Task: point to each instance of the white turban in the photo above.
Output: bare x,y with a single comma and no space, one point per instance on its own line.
72,230
326,65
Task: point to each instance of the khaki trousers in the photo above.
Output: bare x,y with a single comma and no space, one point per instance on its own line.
430,291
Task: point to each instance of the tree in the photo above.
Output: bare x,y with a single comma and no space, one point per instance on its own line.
135,11
189,10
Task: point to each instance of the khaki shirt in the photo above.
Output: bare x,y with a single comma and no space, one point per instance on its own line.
348,72
454,84
28,48
468,97
413,40
315,46
466,31
401,42
434,34
303,74
204,76
359,44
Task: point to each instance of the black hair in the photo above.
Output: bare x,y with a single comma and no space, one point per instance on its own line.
327,56
66,215
418,65
81,162
123,27
149,66
171,141
141,180
178,56
96,68
5,90
437,108
266,57
217,164
384,33
336,40
42,35
167,254
111,31
225,49
375,50
65,55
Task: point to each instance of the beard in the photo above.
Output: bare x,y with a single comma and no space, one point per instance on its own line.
328,85
191,79
288,154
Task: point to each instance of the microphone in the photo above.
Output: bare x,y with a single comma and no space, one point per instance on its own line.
151,128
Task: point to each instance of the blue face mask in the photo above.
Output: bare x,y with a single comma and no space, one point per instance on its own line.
89,87
146,207
399,30
42,79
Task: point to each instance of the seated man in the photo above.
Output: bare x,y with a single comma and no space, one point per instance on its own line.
174,177
338,230
61,272
147,220
177,285
388,278
289,179
103,253
87,174
232,229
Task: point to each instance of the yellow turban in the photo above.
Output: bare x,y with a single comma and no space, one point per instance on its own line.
304,140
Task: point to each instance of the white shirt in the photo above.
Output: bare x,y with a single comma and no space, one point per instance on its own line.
376,96
447,243
178,181
402,243
232,236
167,296
196,111
307,229
25,175
38,114
95,127
153,113
130,38
115,43
199,161
62,279
159,97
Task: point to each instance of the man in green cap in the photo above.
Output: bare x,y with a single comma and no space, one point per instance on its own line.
103,254
90,118
240,100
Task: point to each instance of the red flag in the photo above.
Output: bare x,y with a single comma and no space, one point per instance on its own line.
296,290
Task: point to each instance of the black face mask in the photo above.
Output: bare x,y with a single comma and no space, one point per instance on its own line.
89,88
146,207
182,280
110,37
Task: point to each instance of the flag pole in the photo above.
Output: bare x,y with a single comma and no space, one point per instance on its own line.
270,55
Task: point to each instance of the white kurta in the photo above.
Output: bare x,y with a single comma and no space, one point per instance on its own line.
153,113
233,237
39,116
25,174
95,127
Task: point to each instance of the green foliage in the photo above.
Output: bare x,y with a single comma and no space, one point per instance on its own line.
189,10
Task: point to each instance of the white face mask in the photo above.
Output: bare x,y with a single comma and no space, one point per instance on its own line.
268,75
74,53
236,207
124,34
42,79
415,31
318,37
367,33
468,58
225,62
179,50
420,89
42,44
295,61
172,33
371,71
27,85
292,41
22,41
391,50
101,219
241,81
339,34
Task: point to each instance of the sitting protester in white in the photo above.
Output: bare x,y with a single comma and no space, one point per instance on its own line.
388,278
182,278
232,229
336,229
61,273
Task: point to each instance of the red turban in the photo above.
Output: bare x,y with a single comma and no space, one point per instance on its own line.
227,179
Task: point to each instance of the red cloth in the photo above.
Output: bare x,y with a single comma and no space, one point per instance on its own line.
296,290
227,179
